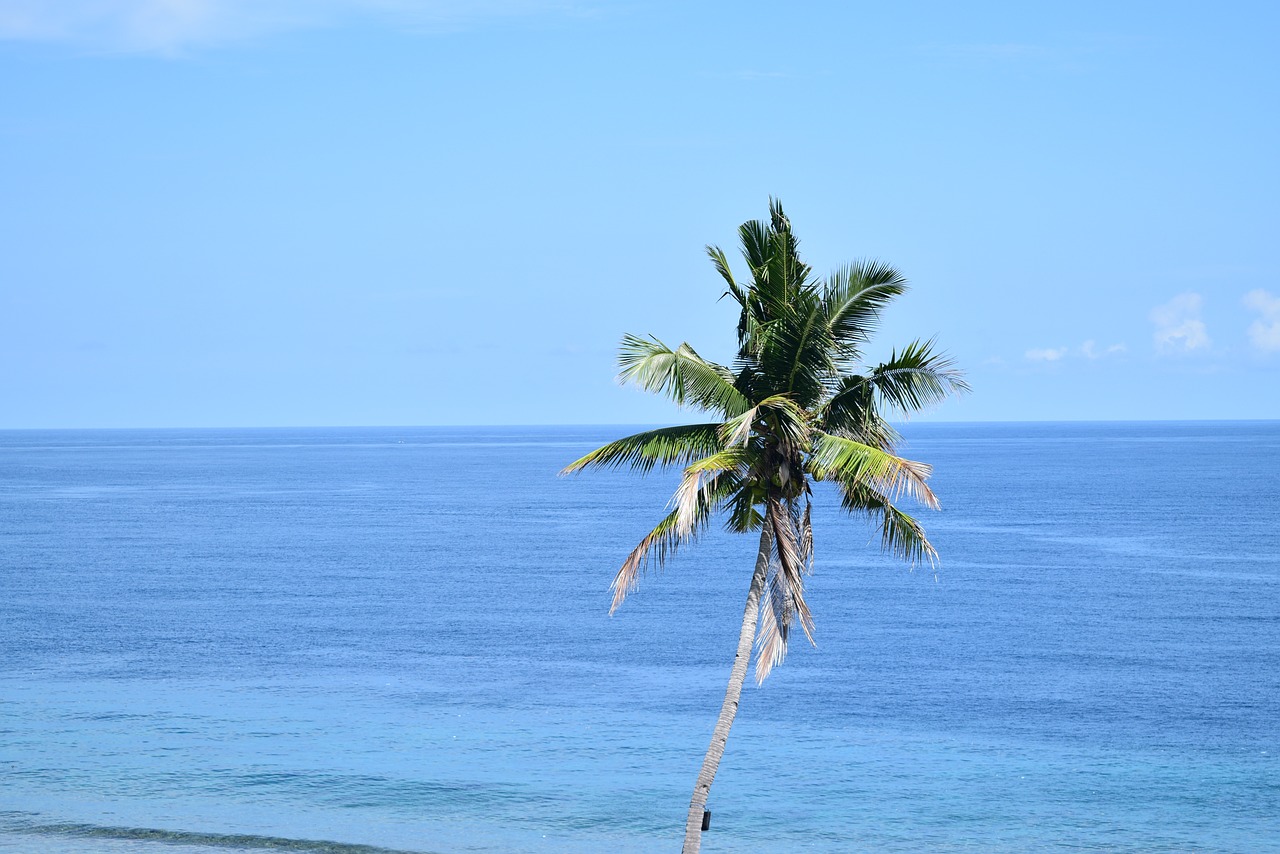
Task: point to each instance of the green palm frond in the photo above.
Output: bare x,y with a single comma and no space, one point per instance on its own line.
721,262
756,246
917,377
778,280
850,462
786,418
699,481
801,357
901,535
681,374
742,513
785,274
662,447
661,543
854,296
851,412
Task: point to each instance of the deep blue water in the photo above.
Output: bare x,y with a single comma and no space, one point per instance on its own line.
399,638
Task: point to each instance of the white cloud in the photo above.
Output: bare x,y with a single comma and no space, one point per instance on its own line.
1089,349
173,26
1179,328
1047,354
1265,331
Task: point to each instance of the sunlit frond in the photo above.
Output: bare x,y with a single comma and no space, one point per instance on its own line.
900,534
662,447
793,351
698,481
854,296
916,377
852,413
849,461
681,374
786,419
662,542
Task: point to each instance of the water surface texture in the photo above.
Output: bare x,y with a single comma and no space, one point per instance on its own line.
391,640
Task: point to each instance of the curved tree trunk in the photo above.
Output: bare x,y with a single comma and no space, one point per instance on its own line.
693,825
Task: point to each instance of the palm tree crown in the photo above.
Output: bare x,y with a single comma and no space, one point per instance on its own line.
796,407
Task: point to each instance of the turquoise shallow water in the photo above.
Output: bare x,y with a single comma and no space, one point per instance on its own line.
349,640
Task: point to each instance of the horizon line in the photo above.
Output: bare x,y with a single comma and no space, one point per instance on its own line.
462,426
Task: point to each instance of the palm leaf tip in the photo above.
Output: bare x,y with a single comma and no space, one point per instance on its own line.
848,461
666,446
680,526
917,377
901,535
656,545
681,374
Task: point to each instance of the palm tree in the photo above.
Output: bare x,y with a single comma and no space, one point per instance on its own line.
795,408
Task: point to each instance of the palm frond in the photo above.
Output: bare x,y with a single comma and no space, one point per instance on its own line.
778,278
662,447
849,461
802,356
773,631
721,262
852,412
854,297
783,603
917,377
681,374
789,420
699,480
785,273
790,560
901,535
741,512
661,543
754,237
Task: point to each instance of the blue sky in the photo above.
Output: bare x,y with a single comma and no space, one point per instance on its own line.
340,212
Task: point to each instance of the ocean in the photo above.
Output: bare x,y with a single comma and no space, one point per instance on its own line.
397,639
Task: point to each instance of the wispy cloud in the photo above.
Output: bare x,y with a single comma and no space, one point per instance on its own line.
1090,350
1179,328
1265,331
170,27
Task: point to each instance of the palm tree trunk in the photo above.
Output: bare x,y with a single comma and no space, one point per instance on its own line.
710,764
